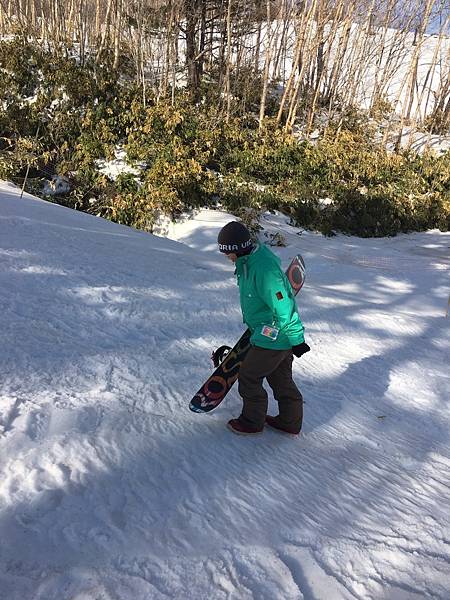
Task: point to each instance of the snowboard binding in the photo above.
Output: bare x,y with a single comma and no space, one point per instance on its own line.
218,355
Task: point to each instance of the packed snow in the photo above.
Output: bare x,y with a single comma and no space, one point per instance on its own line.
111,489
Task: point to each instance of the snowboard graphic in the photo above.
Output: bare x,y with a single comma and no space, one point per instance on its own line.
216,387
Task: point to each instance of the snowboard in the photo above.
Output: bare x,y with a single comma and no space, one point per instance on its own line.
217,386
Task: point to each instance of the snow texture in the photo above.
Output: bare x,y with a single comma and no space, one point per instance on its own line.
111,489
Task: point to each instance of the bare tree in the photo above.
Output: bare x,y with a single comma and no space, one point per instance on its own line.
320,53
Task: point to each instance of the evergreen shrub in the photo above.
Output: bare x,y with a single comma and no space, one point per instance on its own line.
59,117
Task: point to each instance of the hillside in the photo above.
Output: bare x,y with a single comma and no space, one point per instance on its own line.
111,489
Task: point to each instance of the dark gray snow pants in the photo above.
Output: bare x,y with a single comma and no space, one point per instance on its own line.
276,367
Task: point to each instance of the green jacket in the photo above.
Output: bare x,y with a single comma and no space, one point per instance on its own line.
267,299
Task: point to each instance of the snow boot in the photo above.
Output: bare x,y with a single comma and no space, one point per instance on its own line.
275,424
236,426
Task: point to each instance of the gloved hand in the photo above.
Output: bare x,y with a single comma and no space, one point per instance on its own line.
300,349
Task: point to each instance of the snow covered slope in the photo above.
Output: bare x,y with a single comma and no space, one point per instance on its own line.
111,489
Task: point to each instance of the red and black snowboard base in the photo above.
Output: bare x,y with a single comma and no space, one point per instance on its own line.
214,390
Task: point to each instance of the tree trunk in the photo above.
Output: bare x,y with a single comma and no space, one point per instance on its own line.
117,34
267,61
192,18
106,31
229,59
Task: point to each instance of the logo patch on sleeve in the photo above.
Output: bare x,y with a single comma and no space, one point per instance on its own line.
279,296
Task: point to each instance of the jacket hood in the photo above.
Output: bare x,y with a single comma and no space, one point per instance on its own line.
260,254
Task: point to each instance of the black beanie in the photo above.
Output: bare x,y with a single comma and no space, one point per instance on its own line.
235,238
